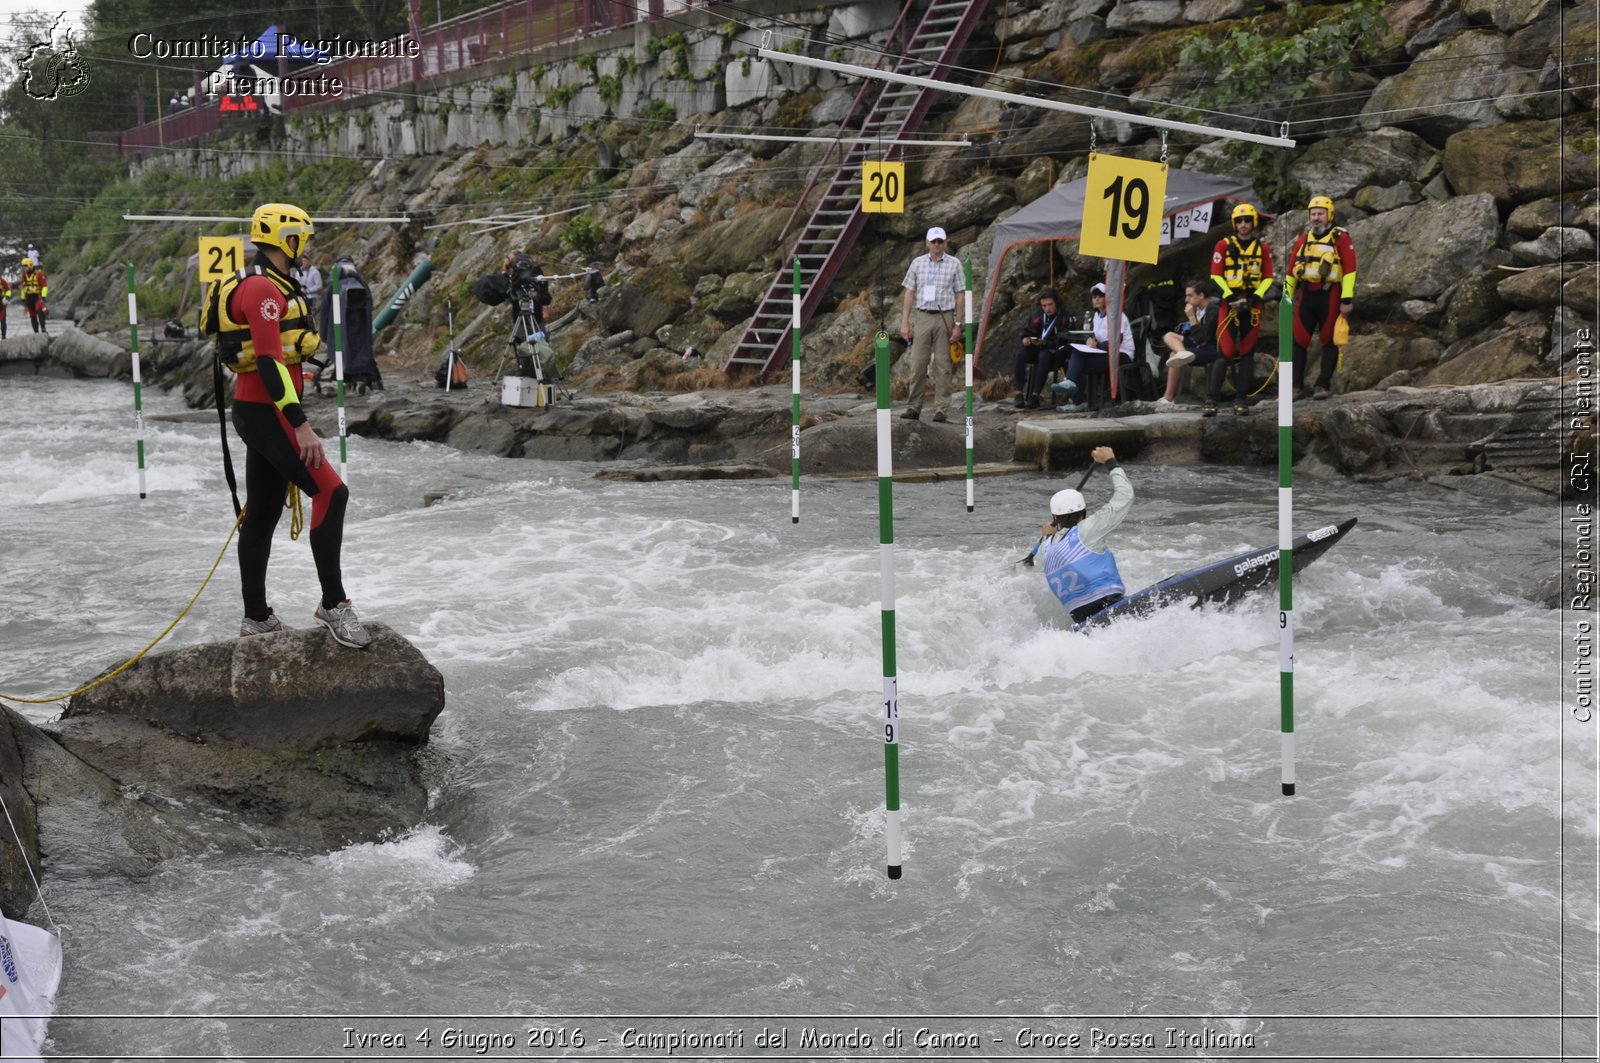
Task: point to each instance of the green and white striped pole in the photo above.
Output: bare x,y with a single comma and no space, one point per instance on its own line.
968,360
338,366
138,398
891,693
1286,536
794,430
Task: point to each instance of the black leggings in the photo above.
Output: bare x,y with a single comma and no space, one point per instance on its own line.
271,464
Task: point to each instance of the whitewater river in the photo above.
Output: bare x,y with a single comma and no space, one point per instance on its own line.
658,807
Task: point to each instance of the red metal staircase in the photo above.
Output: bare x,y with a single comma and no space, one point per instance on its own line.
837,220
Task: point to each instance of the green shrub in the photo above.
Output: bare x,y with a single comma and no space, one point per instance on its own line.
500,100
584,236
657,115
610,87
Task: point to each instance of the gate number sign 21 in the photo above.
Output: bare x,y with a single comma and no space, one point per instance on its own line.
1122,209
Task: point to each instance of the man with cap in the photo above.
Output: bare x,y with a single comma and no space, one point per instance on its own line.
930,320
1080,570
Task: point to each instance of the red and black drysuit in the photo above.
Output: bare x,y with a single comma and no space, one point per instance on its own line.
266,412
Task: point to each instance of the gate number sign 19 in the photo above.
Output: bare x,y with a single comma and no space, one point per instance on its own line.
883,188
1122,208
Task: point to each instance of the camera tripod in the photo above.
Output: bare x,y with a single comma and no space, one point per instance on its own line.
524,352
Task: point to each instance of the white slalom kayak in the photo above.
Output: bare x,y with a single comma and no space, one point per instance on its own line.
30,972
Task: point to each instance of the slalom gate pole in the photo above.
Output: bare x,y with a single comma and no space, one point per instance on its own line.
891,693
338,364
138,398
1286,536
450,330
968,361
794,429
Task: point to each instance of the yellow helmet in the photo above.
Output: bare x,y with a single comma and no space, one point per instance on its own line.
275,224
27,263
1246,211
1324,202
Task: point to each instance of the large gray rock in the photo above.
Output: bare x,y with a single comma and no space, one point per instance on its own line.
1481,70
295,691
1518,161
1135,16
972,204
17,870
1509,15
286,740
1556,245
1420,251
1531,219
1337,167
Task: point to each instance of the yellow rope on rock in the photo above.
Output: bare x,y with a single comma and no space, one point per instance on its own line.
125,665
297,514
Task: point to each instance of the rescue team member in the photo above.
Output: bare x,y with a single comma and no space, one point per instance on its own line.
5,301
1241,268
263,328
34,290
1322,281
1080,570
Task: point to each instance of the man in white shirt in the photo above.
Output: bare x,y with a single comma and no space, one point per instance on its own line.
930,320
310,278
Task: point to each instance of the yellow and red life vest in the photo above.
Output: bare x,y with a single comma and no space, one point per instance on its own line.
235,349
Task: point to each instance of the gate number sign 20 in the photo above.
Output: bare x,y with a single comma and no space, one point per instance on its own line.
883,188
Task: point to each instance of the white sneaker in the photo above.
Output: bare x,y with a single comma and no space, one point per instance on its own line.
342,624
1181,358
1163,404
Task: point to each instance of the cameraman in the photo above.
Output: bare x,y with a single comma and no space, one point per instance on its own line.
530,294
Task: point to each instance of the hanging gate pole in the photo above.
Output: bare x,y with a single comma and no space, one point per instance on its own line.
891,695
338,365
1286,538
969,363
794,429
138,399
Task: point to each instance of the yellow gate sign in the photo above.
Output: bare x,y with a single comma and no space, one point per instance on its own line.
883,188
1122,208
220,256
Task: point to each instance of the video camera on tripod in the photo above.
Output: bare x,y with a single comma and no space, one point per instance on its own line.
535,380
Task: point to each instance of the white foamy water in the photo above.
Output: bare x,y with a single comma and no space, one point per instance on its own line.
659,777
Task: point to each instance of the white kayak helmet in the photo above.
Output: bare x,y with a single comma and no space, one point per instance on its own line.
1065,503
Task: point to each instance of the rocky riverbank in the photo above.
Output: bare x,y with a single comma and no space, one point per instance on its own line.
1522,432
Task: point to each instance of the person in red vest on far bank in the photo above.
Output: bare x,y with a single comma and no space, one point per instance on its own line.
34,289
1241,268
1321,280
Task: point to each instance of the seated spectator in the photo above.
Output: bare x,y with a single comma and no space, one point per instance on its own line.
1044,340
1090,355
1195,343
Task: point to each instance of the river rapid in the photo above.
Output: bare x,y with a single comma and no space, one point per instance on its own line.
658,785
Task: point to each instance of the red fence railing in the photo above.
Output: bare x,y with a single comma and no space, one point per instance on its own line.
460,43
